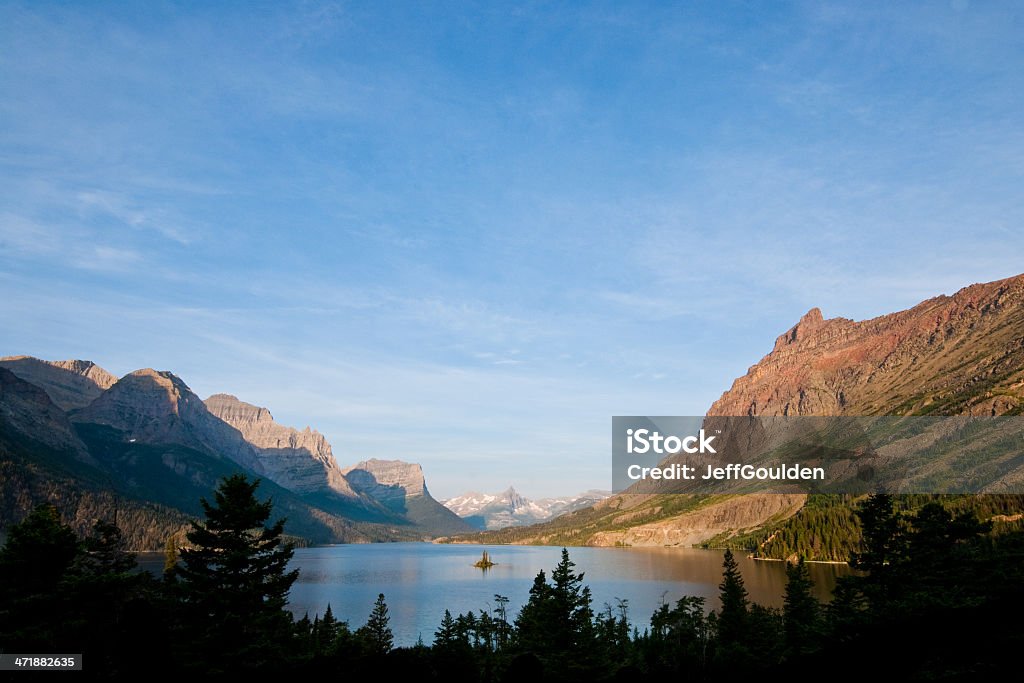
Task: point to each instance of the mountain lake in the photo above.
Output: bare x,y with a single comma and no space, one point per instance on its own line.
420,580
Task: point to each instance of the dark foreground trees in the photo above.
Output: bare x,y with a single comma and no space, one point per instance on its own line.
59,593
233,582
936,597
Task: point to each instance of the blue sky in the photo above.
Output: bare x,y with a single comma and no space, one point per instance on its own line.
468,234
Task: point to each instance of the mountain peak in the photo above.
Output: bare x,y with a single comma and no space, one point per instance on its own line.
509,508
28,409
230,409
947,355
298,460
162,383
805,327
156,406
400,487
390,473
70,384
812,317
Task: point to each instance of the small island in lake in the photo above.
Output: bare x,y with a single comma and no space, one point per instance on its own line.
484,562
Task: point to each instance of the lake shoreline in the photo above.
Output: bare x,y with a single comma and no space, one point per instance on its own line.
775,559
420,580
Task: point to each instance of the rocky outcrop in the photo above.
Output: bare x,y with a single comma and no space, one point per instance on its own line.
959,354
391,482
70,384
28,413
301,461
158,408
401,488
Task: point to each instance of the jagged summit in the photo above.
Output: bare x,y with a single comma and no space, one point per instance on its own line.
810,321
510,508
298,460
949,354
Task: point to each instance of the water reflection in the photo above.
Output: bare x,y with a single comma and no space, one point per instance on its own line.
421,580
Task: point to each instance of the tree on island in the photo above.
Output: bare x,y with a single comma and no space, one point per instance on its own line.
234,580
484,562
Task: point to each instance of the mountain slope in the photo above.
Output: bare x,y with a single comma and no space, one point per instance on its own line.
158,408
94,471
27,412
959,354
146,450
43,459
69,383
950,355
300,461
401,487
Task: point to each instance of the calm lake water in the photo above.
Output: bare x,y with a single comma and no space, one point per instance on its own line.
421,580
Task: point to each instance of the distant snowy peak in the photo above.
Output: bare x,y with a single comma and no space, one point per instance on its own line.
510,508
469,503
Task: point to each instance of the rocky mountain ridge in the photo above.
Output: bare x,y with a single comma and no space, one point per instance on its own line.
157,407
950,355
401,487
70,384
301,461
959,354
148,429
26,409
509,508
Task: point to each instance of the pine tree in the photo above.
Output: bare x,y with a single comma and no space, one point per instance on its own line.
881,531
376,634
536,617
235,580
327,631
882,550
800,609
557,622
733,617
34,563
104,552
501,626
38,552
445,636
572,603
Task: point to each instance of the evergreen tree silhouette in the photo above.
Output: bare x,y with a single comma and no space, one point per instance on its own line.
234,581
733,617
800,609
376,635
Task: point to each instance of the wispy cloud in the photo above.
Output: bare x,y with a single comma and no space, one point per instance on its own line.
110,259
121,208
474,234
